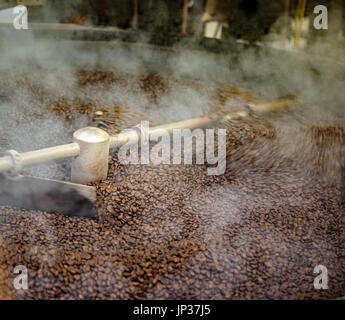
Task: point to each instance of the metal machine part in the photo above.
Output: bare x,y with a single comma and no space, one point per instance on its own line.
48,195
92,163
90,153
97,140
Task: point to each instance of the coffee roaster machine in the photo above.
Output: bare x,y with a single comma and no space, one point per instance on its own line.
86,47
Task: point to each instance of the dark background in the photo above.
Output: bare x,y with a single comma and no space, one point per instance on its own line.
248,19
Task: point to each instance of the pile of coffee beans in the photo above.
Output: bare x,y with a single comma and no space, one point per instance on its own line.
173,232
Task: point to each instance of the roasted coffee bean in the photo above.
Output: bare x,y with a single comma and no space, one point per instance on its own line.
172,231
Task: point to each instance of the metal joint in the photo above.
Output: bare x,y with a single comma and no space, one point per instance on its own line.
17,163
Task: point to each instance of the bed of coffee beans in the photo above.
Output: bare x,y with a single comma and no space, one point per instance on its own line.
173,232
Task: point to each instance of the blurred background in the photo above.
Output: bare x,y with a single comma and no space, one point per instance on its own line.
272,22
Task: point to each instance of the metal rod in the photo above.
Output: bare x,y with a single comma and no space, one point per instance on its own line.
74,149
121,139
184,17
299,22
41,156
5,163
49,154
